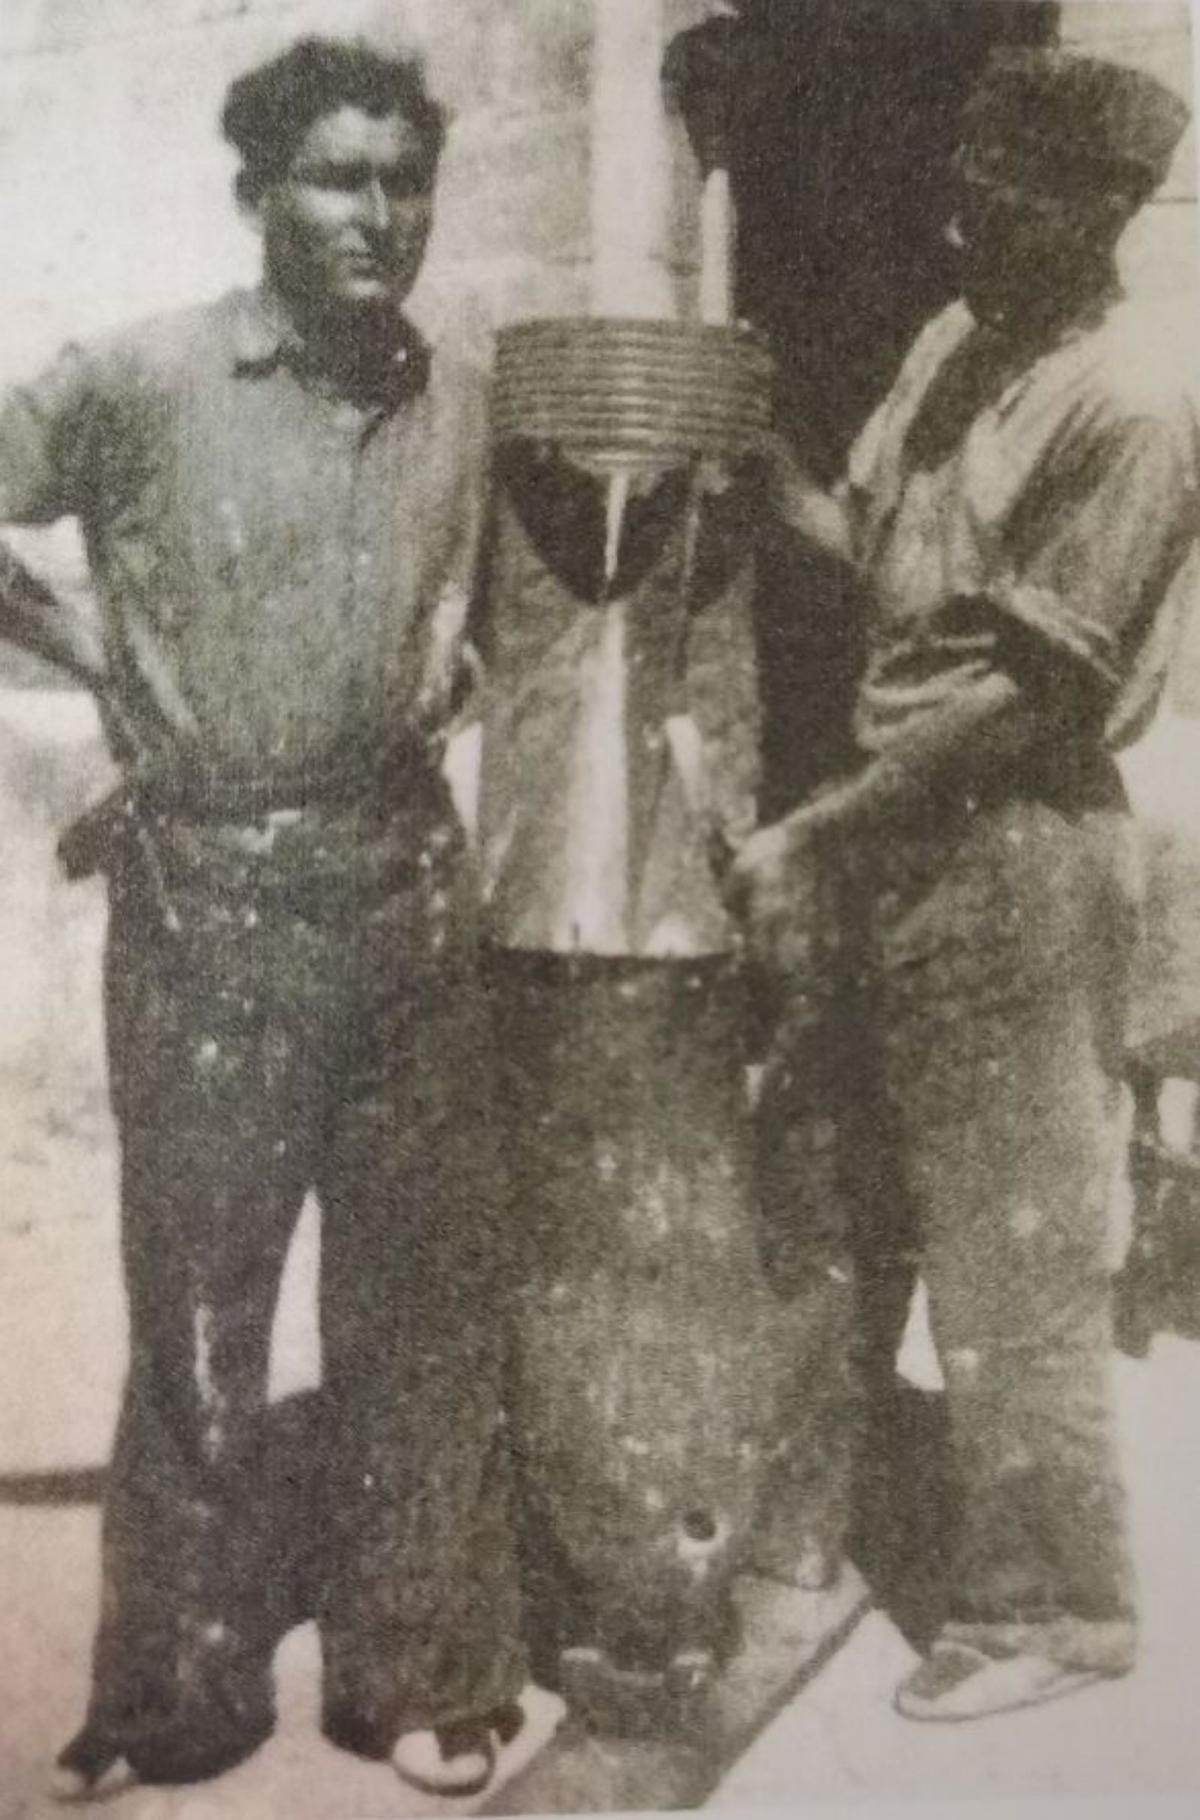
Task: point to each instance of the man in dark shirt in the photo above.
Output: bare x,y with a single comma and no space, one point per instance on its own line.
1022,508
280,495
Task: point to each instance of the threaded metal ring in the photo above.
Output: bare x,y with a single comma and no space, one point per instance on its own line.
630,389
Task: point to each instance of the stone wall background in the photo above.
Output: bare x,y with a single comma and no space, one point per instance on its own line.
1155,35
115,202
116,182
1161,260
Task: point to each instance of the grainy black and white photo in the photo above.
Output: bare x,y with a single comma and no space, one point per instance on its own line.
599,906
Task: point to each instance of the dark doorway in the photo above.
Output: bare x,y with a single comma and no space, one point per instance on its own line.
841,172
847,120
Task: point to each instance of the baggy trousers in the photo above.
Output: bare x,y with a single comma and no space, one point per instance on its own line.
316,1025
984,967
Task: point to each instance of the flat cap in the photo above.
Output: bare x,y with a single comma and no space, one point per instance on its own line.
1075,120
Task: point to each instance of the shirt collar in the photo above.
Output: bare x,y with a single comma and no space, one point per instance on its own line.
1076,328
264,338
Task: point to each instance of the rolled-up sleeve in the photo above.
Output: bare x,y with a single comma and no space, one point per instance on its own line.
47,443
1092,551
49,454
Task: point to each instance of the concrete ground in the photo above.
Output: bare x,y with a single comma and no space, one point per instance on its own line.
61,1350
1139,1737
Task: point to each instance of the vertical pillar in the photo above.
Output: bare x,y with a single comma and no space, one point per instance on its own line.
630,162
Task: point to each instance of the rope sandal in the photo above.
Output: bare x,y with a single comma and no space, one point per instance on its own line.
459,1759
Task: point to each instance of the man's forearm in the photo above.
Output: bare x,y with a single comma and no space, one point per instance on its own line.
819,517
966,743
33,617
800,502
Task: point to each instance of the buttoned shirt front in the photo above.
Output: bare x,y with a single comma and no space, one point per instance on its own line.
283,574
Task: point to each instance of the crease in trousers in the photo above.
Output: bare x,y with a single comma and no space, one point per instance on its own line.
962,1035
316,1026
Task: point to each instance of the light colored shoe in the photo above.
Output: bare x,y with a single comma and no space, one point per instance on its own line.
458,1760
957,1682
85,1776
518,1734
435,1764
543,1714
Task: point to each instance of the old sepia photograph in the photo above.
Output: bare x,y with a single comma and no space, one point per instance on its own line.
599,907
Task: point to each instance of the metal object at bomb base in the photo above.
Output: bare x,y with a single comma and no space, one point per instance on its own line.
622,736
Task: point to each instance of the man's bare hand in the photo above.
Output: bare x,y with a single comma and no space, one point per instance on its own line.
794,497
773,887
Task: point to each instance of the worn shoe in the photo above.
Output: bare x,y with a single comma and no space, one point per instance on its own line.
958,1682
90,1768
457,1760
198,1740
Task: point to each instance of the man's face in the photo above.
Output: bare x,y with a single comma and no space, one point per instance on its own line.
346,227
1023,249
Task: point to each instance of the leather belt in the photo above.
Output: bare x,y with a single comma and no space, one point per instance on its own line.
183,791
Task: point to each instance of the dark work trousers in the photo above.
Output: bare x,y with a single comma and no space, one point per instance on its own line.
316,1024
981,979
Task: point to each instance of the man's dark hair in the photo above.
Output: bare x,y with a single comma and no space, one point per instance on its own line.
268,111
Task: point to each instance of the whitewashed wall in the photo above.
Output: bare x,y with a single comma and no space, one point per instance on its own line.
1161,262
1162,249
115,201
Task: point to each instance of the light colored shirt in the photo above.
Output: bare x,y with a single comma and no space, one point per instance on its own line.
282,574
1059,495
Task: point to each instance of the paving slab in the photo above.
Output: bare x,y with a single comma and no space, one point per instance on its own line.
787,1638
1137,1737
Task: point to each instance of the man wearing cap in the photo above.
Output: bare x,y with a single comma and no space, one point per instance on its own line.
281,495
1020,507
